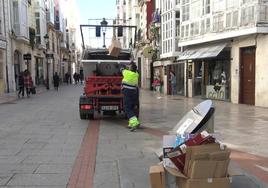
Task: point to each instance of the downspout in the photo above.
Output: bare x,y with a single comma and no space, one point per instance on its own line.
7,80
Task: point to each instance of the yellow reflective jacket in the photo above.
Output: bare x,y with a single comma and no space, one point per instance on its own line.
130,79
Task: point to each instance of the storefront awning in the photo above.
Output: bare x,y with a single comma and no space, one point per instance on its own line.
202,52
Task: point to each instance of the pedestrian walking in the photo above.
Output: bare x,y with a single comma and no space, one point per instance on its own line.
173,82
28,82
21,85
56,81
81,76
130,92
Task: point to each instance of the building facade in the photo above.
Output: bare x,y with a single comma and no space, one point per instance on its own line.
4,53
170,35
224,46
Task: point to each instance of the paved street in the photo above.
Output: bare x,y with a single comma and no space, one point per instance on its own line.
43,143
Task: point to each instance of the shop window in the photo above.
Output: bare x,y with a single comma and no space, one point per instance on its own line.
217,79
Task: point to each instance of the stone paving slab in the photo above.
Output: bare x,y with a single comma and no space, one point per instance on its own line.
39,179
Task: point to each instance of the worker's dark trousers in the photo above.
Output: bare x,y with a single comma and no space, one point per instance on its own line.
130,101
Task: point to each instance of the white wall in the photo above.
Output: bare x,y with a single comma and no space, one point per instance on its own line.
235,72
261,97
261,76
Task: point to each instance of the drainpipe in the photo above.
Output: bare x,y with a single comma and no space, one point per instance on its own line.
7,80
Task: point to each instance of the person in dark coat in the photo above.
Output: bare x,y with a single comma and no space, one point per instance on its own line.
21,85
28,82
56,81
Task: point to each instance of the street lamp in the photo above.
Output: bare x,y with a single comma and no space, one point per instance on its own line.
104,24
47,41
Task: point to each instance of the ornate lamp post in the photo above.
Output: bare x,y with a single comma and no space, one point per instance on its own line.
47,41
104,24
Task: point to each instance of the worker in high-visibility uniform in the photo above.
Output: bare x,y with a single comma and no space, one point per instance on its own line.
130,92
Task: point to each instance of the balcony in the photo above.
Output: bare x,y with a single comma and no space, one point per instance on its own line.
245,20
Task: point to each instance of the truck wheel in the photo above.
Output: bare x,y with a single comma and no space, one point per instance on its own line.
91,116
83,116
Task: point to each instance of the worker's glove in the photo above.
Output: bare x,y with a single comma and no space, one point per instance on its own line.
122,67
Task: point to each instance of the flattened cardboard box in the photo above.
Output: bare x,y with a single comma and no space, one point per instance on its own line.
157,176
204,183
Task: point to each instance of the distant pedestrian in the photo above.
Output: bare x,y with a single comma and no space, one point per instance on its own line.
76,78
21,85
81,76
173,82
28,82
56,81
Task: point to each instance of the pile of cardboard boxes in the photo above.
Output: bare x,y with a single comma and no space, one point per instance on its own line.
200,162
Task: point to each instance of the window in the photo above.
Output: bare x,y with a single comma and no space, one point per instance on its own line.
202,29
177,2
37,21
196,9
218,22
206,7
208,25
187,31
1,18
182,31
247,15
235,19
185,10
218,5
192,29
196,28
1,65
15,16
264,13
177,28
228,20
232,4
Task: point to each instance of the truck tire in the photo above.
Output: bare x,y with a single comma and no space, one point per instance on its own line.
91,116
83,116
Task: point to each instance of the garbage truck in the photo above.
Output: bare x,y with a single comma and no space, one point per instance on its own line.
102,90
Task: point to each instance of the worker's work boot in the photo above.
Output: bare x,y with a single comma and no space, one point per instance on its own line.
134,123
